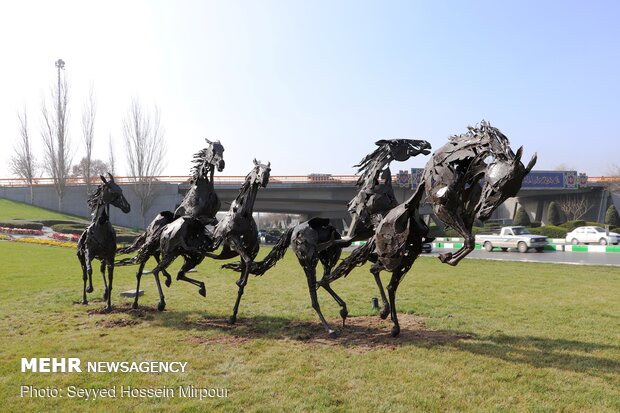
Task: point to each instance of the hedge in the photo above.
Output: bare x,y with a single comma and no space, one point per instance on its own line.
23,224
69,228
550,231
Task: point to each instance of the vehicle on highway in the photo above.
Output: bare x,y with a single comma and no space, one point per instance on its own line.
512,237
592,235
427,247
269,237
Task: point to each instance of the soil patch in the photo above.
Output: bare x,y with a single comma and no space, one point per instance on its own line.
359,334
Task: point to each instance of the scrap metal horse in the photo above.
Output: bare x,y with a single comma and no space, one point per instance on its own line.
238,232
190,238
375,196
99,239
452,183
201,203
317,240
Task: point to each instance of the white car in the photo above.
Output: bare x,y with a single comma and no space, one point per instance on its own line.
592,235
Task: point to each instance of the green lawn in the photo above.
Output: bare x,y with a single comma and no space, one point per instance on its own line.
487,336
18,210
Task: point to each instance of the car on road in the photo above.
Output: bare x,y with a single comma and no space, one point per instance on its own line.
592,235
512,237
427,247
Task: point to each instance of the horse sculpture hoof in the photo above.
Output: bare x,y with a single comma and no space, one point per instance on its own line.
203,291
395,331
232,320
134,305
108,309
384,313
445,257
161,306
168,282
332,334
84,302
90,289
343,313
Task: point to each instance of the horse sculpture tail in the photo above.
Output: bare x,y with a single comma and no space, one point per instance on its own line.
137,243
144,252
275,255
358,256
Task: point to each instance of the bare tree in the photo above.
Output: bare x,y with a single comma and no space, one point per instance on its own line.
145,147
88,134
574,207
111,158
96,167
23,163
56,144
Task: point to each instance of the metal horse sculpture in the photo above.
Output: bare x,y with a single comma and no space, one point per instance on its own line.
99,239
317,240
201,203
452,183
190,238
375,196
238,232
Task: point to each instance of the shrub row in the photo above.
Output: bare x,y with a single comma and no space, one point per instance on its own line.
23,224
73,228
550,231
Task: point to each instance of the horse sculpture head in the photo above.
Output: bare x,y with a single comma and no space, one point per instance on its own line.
207,160
259,174
393,149
502,180
403,149
108,193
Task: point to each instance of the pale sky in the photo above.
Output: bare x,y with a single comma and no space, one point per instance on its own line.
310,85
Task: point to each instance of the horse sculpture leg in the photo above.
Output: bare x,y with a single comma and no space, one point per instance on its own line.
376,271
166,273
138,278
455,221
328,263
89,270
392,287
105,283
246,261
310,270
84,276
190,262
110,279
165,262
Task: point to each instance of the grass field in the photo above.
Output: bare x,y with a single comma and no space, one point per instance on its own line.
18,210
486,336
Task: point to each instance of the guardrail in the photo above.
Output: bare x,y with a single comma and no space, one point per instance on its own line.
175,179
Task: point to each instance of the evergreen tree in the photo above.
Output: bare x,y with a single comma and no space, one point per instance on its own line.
611,217
521,217
553,214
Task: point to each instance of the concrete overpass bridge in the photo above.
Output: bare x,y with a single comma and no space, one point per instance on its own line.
311,195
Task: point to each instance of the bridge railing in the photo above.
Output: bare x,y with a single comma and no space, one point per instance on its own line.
177,179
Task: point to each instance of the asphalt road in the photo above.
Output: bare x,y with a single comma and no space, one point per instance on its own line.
561,257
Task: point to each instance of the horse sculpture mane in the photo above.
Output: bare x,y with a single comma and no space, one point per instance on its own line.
94,198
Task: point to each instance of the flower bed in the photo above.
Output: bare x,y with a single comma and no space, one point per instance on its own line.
43,241
22,231
66,237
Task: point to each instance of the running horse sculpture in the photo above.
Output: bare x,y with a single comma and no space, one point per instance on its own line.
190,238
316,240
452,183
99,239
199,207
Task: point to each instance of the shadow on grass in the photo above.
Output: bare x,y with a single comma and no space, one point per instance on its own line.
371,333
360,333
570,355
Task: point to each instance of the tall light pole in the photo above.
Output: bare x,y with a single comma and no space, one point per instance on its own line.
60,64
